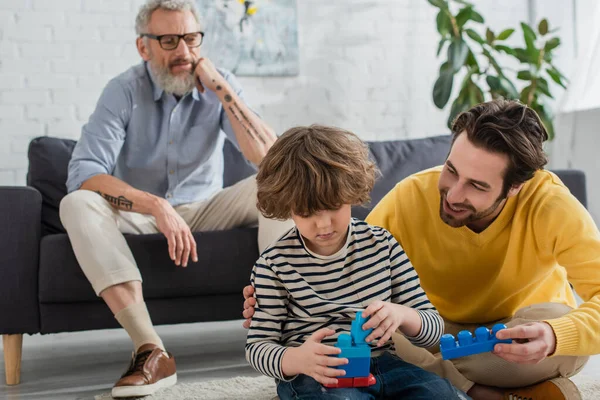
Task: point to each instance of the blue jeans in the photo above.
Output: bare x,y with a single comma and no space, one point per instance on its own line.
396,379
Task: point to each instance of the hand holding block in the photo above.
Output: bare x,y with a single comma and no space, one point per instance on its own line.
467,345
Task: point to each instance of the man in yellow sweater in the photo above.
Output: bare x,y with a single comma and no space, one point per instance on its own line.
496,238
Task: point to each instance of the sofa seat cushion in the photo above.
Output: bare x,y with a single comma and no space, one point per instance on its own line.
225,260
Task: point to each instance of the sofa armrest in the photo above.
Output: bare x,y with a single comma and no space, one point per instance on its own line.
20,231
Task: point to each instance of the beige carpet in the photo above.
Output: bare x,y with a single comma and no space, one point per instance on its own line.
263,388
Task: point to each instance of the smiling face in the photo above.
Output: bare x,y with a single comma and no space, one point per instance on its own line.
471,185
172,69
325,232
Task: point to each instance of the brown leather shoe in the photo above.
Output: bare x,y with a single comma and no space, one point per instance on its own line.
554,389
151,369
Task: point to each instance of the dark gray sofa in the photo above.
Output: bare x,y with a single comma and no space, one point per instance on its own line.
43,290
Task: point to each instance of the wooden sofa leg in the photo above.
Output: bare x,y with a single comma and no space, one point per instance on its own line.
13,345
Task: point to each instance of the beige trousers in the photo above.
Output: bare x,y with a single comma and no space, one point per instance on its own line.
487,368
96,229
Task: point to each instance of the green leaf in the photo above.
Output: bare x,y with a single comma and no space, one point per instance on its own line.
510,91
489,35
524,75
475,93
444,24
442,89
505,34
525,94
445,67
475,16
506,49
522,55
459,105
457,53
463,16
542,86
556,76
472,62
543,27
474,35
439,4
528,35
546,118
552,44
440,46
493,82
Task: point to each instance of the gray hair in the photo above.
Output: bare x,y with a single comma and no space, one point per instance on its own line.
143,18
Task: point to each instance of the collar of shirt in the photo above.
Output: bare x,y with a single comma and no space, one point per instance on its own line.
158,91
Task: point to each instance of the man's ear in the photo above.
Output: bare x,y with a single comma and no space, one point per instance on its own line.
515,189
143,49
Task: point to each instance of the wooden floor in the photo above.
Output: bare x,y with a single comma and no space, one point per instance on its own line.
82,365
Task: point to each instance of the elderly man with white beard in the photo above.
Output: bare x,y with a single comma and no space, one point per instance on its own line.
150,159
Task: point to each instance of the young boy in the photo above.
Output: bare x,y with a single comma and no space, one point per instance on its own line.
311,282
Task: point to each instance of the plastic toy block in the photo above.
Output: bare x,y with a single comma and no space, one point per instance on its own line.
364,382
342,383
355,349
354,382
467,345
356,331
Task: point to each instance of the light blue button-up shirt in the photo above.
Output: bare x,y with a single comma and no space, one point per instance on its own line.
148,139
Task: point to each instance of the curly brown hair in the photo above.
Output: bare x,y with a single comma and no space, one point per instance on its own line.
315,168
506,127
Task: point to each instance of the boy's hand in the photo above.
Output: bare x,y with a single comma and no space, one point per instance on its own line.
385,318
313,359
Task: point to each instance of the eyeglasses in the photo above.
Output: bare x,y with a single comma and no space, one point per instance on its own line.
171,41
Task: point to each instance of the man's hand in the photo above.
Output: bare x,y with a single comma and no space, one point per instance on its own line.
385,318
534,342
182,244
207,76
313,359
249,304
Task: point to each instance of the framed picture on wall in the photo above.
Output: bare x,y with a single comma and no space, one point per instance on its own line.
251,38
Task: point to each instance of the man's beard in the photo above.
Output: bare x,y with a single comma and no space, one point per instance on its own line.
474,216
178,85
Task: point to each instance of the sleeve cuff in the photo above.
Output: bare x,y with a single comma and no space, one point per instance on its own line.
567,337
282,376
432,327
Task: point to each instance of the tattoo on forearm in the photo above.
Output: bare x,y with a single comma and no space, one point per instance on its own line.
119,202
228,98
256,133
246,124
219,87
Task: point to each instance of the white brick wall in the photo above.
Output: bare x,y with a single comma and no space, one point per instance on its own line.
368,66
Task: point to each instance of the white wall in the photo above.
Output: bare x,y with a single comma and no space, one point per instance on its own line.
366,65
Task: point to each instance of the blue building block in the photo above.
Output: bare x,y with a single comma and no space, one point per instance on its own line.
467,345
355,349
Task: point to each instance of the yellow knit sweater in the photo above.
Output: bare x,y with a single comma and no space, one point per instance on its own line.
542,240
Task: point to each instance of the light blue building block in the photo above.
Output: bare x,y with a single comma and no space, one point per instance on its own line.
355,349
467,345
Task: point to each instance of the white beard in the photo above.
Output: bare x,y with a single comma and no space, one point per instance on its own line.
178,85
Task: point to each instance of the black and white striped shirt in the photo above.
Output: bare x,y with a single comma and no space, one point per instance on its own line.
299,292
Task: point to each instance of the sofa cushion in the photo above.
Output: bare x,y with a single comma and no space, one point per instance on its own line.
48,165
398,159
225,260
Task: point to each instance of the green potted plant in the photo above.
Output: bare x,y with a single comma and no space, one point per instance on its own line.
484,76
